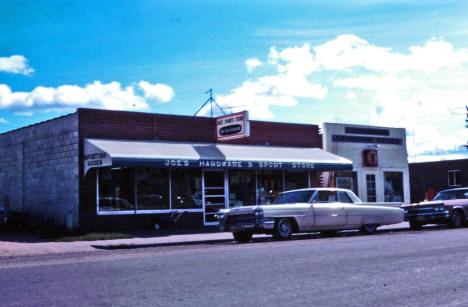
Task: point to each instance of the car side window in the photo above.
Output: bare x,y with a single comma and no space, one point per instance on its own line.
327,197
344,198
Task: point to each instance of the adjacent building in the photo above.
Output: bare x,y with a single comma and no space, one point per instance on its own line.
380,161
428,178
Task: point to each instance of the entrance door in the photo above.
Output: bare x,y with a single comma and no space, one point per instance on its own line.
214,195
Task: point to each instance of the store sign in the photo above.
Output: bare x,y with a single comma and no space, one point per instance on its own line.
94,157
232,126
223,164
370,158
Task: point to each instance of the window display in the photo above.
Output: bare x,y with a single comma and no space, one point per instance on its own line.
241,188
346,180
393,186
270,184
186,189
296,180
116,189
152,187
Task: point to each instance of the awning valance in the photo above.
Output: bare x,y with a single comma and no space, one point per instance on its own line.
101,153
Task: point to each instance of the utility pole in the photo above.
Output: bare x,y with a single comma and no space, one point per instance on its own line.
210,100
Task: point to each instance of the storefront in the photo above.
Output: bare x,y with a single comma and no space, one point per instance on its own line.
98,169
137,177
380,161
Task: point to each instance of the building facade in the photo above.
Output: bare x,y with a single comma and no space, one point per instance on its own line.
380,161
428,178
97,169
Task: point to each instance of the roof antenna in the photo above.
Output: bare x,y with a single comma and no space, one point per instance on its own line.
210,100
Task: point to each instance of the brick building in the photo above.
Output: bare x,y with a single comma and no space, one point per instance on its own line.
97,169
437,176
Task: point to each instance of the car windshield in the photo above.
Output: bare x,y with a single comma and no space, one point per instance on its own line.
448,195
293,197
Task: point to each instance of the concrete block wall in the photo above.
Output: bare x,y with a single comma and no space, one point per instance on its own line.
39,174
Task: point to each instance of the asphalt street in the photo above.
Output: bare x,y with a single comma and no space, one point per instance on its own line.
427,267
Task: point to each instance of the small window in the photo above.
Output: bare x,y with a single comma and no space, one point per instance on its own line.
344,198
454,178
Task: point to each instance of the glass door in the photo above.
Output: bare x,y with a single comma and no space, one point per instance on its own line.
214,194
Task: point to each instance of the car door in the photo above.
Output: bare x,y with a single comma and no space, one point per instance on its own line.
328,211
353,213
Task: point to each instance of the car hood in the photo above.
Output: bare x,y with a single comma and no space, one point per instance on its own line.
269,208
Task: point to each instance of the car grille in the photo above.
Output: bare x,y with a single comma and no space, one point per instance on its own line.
240,218
429,210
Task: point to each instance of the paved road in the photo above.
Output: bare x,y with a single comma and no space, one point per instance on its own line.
427,267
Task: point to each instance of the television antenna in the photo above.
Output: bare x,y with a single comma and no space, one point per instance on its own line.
210,100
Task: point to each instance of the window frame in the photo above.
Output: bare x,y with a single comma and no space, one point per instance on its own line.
453,173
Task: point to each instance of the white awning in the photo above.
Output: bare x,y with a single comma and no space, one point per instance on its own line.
101,153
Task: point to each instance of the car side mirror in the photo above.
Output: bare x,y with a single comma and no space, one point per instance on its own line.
466,195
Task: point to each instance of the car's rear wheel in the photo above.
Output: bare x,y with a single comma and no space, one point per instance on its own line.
415,225
368,228
283,229
242,236
457,219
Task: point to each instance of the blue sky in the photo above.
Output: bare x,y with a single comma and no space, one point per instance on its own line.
389,63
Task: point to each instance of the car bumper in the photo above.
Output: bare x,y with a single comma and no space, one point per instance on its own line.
261,225
429,217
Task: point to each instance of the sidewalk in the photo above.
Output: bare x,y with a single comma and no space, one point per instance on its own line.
25,247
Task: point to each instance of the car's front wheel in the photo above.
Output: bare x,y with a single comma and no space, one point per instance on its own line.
368,228
457,219
283,229
242,236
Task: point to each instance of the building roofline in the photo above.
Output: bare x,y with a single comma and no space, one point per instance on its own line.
38,123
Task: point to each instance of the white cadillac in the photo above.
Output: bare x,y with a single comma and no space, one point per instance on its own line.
308,210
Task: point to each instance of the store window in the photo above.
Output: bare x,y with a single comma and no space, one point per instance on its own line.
241,188
296,180
393,186
186,189
346,180
152,186
454,178
270,184
116,189
371,191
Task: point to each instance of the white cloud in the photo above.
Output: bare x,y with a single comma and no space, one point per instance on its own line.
15,64
350,95
290,81
423,89
349,51
252,64
3,121
159,92
96,95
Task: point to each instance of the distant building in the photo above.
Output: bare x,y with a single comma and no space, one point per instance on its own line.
380,161
427,178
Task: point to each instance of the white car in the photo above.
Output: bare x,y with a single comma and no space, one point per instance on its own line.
308,210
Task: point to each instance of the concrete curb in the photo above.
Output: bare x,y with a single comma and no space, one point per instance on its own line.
146,245
396,228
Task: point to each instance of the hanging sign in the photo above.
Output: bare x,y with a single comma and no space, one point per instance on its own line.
232,126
